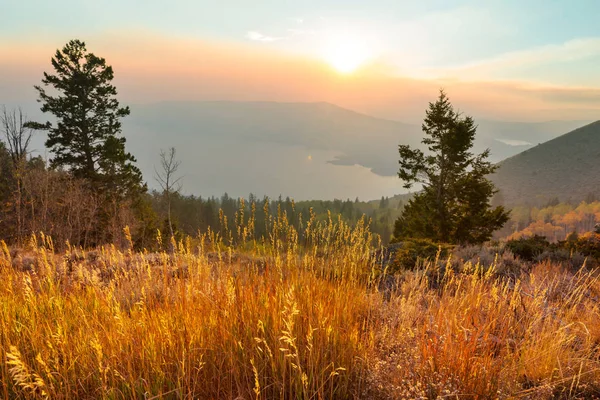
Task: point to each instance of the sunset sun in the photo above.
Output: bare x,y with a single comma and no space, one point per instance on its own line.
345,53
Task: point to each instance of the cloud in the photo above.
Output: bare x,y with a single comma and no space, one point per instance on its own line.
547,64
511,142
572,50
149,67
259,37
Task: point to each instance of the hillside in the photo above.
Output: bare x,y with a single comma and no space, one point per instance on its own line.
355,138
567,167
284,148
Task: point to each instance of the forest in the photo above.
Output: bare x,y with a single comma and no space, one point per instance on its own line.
556,220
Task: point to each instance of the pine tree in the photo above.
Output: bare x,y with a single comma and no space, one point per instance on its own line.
86,137
454,203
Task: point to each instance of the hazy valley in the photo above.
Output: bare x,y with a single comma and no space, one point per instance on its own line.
225,145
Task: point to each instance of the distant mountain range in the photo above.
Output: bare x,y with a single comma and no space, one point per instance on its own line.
266,140
567,168
304,150
355,138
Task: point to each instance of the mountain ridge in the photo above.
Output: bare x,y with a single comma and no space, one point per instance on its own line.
565,167
226,146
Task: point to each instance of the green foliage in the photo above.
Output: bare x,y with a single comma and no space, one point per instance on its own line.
572,250
588,245
528,248
85,139
195,214
454,205
6,188
6,174
412,251
145,233
572,238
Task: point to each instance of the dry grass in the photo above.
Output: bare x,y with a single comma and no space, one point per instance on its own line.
285,318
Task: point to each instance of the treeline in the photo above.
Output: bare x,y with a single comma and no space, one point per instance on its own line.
555,221
91,188
194,214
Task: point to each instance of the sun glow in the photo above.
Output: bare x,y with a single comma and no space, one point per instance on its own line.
345,52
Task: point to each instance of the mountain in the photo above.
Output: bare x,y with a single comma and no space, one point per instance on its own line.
506,139
265,146
304,150
354,138
567,167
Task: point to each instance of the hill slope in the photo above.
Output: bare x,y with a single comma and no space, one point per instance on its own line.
567,167
295,149
355,138
302,150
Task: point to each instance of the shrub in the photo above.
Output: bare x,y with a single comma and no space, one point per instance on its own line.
587,244
528,248
414,250
493,254
571,260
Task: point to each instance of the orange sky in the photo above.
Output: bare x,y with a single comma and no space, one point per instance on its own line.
149,68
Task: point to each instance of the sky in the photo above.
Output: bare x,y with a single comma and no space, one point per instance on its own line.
505,60
373,56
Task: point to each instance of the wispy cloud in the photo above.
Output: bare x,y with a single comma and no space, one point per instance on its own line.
259,37
572,50
291,33
512,142
534,64
158,68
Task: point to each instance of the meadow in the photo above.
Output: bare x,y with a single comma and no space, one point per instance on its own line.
293,315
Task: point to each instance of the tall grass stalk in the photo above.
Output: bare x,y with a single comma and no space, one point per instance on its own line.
303,315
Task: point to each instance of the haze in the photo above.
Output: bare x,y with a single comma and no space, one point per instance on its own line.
515,66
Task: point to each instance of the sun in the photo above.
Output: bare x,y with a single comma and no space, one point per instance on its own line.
345,53
345,58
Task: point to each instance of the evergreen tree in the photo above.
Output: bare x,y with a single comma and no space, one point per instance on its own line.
6,178
454,204
86,137
382,203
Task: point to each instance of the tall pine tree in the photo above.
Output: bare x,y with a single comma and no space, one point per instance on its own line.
454,203
86,137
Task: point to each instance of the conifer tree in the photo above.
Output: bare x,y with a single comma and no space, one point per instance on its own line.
454,203
85,139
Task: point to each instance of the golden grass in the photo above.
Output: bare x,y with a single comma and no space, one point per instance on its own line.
285,318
